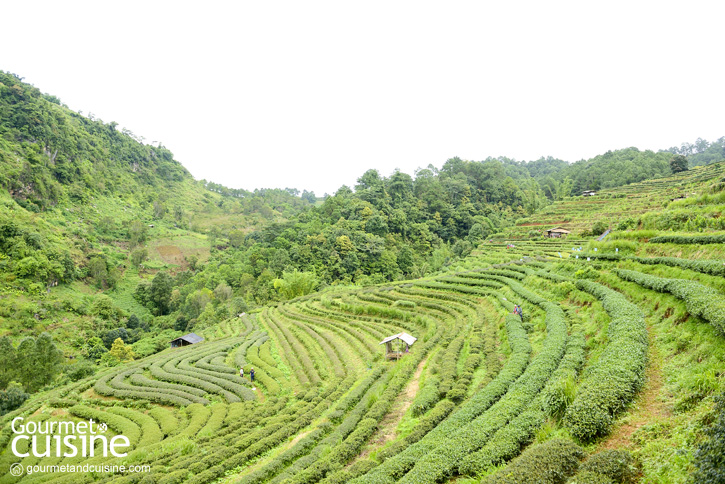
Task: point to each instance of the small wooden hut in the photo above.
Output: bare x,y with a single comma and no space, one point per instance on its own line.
397,345
186,340
557,232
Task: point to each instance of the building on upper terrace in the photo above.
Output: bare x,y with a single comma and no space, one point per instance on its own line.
588,193
557,232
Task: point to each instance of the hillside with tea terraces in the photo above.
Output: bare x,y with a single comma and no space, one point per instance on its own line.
534,360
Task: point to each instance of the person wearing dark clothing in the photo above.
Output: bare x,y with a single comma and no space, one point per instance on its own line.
251,374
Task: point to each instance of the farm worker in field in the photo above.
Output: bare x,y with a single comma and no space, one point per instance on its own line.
251,374
241,372
517,310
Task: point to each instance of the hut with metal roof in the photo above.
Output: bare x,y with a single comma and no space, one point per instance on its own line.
557,232
186,340
398,345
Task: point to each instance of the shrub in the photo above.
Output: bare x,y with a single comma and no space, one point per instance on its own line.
611,383
549,463
80,370
617,465
426,397
689,239
710,456
589,477
701,300
12,397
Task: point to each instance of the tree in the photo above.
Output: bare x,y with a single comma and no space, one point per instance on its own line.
113,334
25,362
296,283
136,233
95,349
47,361
119,352
97,269
678,163
133,322
12,398
7,362
159,209
223,292
138,256
160,292
104,308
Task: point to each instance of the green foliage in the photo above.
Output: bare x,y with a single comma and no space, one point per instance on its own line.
688,239
710,455
617,465
159,293
118,353
549,463
678,163
8,360
701,300
294,284
12,398
611,383
426,397
34,363
79,370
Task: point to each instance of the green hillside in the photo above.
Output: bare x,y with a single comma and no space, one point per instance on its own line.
109,250
690,201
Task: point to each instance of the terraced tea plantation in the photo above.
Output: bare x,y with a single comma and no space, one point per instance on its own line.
616,358
684,201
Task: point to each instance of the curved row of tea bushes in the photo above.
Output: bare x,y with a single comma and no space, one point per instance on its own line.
337,363
348,448
705,266
253,444
607,467
119,424
507,442
167,396
394,468
241,351
450,450
549,463
150,430
289,354
350,412
360,342
701,300
474,359
611,383
359,336
688,239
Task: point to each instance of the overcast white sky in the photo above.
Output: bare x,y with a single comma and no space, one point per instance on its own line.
310,94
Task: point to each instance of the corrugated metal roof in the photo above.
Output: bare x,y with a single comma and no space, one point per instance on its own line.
190,338
408,339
